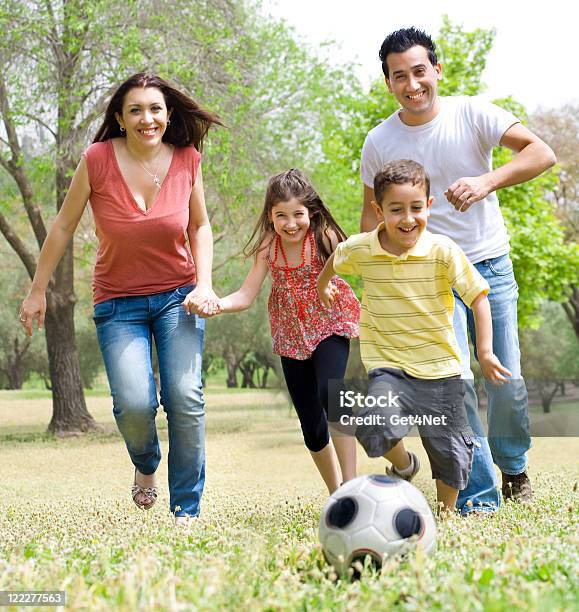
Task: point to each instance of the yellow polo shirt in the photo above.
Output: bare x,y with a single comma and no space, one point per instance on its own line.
407,302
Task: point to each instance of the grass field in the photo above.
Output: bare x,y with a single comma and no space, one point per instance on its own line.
67,523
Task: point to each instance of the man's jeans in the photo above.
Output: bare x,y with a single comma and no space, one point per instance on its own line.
507,411
126,327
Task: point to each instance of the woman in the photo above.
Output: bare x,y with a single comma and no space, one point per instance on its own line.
142,176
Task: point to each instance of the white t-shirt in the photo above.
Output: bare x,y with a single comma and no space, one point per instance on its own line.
458,142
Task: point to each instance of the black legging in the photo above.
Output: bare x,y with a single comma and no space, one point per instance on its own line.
307,383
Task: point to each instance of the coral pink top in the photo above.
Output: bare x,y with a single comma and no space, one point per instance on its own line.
297,335
140,252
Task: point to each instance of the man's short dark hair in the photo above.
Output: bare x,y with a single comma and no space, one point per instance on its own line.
404,39
400,172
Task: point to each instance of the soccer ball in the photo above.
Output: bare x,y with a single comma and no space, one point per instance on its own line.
375,515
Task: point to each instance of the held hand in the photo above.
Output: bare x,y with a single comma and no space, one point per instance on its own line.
328,295
202,301
462,194
211,310
493,370
33,307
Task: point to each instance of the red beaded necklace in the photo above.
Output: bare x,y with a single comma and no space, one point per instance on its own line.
287,269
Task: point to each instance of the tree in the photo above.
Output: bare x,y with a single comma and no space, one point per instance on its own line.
18,354
463,56
560,128
545,263
550,354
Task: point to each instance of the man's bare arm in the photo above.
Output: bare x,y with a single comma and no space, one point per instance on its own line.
368,220
532,157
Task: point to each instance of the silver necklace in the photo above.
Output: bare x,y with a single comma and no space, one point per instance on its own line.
153,175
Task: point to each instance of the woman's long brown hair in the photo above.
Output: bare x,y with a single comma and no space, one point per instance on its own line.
189,122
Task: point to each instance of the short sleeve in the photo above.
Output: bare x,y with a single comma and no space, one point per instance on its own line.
369,163
490,121
344,259
96,161
464,277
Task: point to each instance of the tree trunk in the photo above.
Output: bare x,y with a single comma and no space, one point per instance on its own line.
247,382
12,366
231,363
247,370
572,310
547,396
69,411
13,373
546,402
15,377
231,377
263,383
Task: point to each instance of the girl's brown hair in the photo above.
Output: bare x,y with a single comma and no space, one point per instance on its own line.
282,188
189,122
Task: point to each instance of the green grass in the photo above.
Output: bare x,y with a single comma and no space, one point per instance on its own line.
67,522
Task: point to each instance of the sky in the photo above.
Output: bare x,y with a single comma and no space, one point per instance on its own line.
515,65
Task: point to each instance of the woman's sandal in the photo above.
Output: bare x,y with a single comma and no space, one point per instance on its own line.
150,494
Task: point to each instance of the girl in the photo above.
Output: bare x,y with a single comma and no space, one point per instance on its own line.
292,240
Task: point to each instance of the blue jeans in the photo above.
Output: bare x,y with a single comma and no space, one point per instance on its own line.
507,410
126,327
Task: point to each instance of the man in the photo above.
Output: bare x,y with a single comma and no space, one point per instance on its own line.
453,139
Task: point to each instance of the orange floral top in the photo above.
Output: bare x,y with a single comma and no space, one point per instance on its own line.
299,321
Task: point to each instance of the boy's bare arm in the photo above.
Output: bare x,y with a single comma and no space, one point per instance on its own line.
491,367
326,291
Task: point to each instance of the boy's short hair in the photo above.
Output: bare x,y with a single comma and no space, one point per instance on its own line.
404,39
400,172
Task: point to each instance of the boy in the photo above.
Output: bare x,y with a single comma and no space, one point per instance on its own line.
406,336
